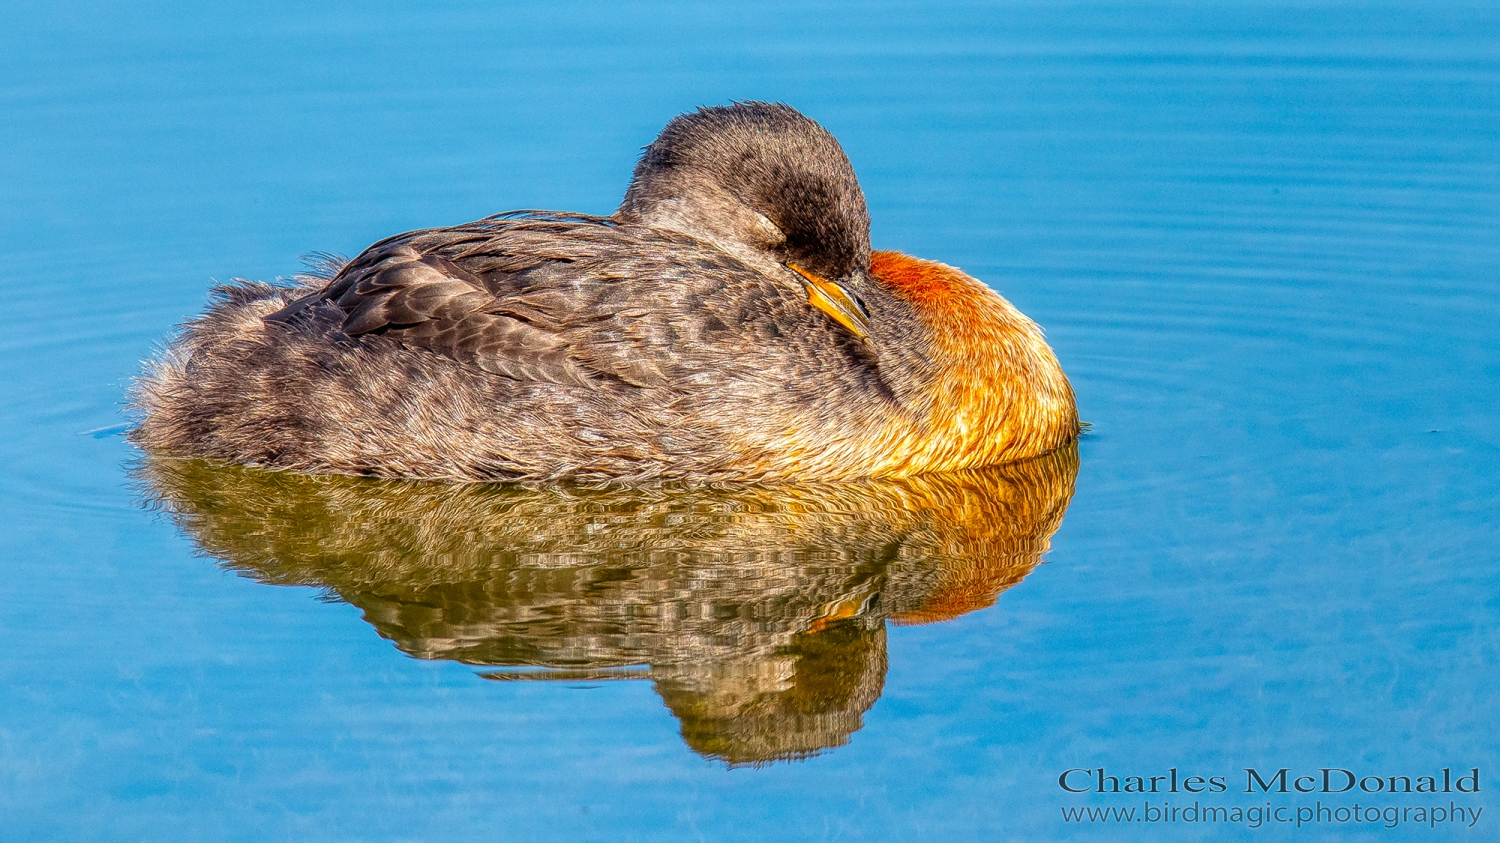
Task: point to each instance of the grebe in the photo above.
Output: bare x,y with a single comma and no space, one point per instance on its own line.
728,323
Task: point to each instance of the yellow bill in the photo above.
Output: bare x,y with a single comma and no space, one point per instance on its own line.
835,301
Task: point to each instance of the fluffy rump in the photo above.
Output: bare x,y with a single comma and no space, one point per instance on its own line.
234,388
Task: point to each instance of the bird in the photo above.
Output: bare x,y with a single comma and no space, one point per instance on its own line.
729,322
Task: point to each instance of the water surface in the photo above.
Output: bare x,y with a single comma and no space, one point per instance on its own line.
1264,240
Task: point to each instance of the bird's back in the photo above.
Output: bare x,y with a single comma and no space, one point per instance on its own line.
525,346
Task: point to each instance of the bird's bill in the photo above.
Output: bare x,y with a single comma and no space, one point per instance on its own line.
834,300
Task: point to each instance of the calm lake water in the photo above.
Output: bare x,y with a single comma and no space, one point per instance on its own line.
1264,240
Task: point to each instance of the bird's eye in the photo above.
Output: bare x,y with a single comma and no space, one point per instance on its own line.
767,231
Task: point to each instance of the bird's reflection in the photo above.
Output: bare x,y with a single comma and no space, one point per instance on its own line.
758,612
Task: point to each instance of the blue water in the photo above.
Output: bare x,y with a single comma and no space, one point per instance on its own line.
1264,240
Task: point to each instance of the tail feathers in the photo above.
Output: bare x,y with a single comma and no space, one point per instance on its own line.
172,402
321,267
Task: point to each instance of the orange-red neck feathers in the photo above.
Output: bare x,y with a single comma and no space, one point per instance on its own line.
999,394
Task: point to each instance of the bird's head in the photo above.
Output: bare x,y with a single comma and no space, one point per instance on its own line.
760,181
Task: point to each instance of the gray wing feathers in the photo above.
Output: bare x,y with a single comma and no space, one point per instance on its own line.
432,304
525,299
581,301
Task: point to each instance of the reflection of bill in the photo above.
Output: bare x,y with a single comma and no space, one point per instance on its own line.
759,612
